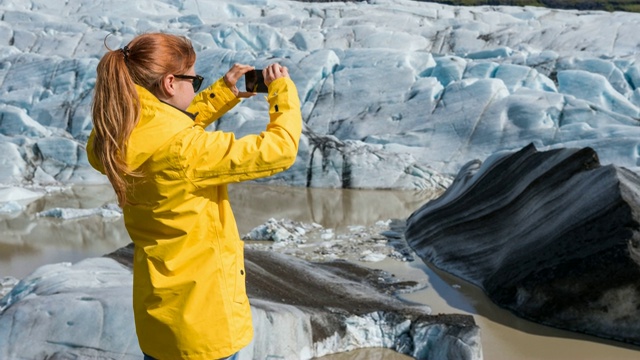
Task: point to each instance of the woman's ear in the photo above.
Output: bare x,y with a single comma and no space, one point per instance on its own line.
168,85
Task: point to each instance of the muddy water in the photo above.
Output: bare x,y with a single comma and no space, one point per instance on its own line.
27,242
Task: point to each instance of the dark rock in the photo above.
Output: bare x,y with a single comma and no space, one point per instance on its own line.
551,235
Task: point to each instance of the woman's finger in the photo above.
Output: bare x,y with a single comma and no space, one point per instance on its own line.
236,72
246,94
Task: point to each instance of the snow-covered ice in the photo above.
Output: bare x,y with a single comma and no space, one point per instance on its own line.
395,93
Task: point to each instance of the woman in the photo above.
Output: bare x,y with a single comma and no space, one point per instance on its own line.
171,176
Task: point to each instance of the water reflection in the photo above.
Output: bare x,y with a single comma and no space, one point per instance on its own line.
28,241
331,208
504,335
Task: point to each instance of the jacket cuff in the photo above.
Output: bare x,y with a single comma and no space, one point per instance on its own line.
213,102
283,96
220,95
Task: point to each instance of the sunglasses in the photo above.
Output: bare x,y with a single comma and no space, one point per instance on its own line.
196,80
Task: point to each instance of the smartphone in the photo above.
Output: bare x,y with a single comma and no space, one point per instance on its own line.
255,81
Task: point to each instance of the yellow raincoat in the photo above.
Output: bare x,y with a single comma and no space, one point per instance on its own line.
189,296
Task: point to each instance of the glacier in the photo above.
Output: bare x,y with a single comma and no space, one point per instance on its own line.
395,93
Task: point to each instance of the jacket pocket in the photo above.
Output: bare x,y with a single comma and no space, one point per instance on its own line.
240,291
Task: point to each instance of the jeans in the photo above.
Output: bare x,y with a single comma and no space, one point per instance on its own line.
232,357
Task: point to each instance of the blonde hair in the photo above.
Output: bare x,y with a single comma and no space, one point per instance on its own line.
145,61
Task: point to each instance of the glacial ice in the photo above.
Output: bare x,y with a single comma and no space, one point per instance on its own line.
417,88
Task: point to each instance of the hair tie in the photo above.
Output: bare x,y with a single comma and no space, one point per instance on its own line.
125,51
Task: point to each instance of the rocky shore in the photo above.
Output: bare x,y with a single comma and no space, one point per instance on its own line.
301,310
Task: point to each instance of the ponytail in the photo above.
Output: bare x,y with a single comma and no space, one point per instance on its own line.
116,105
116,109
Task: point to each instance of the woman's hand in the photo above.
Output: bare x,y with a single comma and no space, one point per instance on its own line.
233,75
274,71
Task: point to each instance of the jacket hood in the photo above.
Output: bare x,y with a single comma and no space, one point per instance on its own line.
158,123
